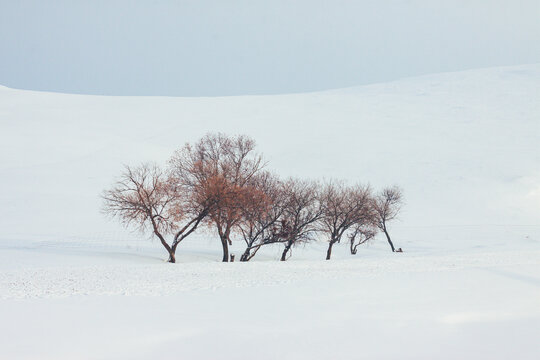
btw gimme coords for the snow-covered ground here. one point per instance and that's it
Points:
(463, 146)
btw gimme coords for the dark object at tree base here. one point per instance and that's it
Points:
(232, 257)
(399, 250)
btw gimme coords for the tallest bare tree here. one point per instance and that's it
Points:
(220, 168)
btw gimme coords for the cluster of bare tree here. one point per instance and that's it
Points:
(220, 182)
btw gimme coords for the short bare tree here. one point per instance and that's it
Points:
(343, 208)
(145, 197)
(387, 205)
(361, 234)
(220, 167)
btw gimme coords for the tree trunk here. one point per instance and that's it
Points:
(172, 257)
(329, 251)
(225, 245)
(245, 255)
(353, 248)
(389, 240)
(285, 251)
(171, 252)
(251, 252)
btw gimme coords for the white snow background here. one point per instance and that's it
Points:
(464, 147)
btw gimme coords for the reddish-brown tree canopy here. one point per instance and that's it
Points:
(219, 170)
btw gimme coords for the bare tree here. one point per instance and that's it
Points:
(361, 234)
(218, 168)
(261, 222)
(387, 205)
(302, 212)
(145, 197)
(343, 208)
(292, 219)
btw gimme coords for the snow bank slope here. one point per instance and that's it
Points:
(464, 146)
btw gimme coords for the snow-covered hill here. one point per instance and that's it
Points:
(463, 146)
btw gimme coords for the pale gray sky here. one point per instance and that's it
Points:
(230, 47)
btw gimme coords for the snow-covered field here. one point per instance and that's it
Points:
(463, 146)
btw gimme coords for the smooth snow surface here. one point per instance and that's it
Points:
(463, 146)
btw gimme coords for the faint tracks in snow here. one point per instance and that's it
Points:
(163, 279)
